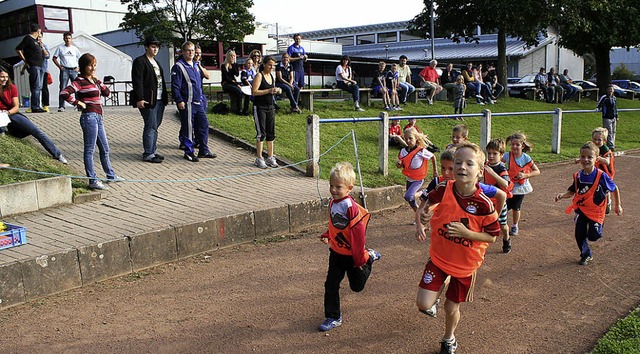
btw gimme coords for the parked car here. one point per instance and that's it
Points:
(628, 84)
(513, 80)
(520, 87)
(617, 90)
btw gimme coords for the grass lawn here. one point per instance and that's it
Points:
(623, 337)
(290, 131)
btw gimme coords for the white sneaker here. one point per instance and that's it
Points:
(97, 185)
(115, 179)
(271, 162)
(260, 163)
(61, 109)
(431, 102)
(62, 159)
(359, 109)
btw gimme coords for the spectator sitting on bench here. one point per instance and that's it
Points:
(542, 84)
(379, 86)
(485, 88)
(554, 86)
(430, 79)
(229, 71)
(491, 78)
(285, 82)
(404, 79)
(345, 81)
(567, 84)
(248, 73)
(448, 79)
(472, 85)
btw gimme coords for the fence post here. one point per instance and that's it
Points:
(313, 145)
(556, 135)
(383, 144)
(485, 128)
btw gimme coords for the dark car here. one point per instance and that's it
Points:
(522, 86)
(628, 85)
(617, 90)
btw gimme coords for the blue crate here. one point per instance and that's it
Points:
(14, 236)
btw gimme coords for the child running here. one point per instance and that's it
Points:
(463, 224)
(413, 160)
(459, 134)
(496, 174)
(606, 160)
(346, 237)
(521, 167)
(589, 202)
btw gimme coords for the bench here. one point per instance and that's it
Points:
(306, 96)
(590, 92)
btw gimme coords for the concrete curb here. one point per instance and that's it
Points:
(72, 268)
(24, 197)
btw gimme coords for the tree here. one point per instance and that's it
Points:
(596, 26)
(176, 21)
(621, 72)
(458, 21)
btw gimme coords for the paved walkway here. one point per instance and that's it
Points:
(130, 208)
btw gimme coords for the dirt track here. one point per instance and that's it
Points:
(268, 297)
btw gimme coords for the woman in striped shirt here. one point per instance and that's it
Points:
(87, 90)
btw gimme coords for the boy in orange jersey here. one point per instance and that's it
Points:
(589, 202)
(346, 238)
(459, 134)
(463, 224)
(496, 174)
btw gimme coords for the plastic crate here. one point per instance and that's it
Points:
(14, 236)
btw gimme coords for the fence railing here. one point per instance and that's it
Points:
(314, 121)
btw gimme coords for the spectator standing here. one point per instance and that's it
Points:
(609, 108)
(459, 101)
(46, 55)
(264, 114)
(230, 85)
(404, 79)
(285, 81)
(149, 96)
(186, 86)
(297, 56)
(566, 83)
(448, 79)
(20, 126)
(430, 79)
(87, 90)
(393, 85)
(31, 51)
(345, 81)
(66, 59)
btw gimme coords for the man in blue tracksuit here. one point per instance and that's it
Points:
(186, 86)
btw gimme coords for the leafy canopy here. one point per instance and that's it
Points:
(176, 21)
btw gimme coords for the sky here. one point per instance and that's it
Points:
(307, 15)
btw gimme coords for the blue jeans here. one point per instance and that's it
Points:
(152, 119)
(21, 127)
(292, 95)
(35, 84)
(407, 89)
(66, 75)
(354, 89)
(93, 134)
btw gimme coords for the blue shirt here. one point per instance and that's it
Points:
(296, 52)
(585, 182)
(180, 84)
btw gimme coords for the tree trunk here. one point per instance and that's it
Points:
(501, 65)
(603, 67)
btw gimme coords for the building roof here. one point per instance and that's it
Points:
(378, 27)
(486, 48)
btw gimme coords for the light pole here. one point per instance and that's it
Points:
(433, 43)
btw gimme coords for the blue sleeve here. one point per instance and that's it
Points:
(176, 84)
(488, 190)
(290, 51)
(432, 185)
(607, 183)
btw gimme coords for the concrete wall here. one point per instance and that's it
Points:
(51, 273)
(30, 196)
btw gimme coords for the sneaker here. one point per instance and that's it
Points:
(585, 260)
(433, 310)
(190, 157)
(481, 103)
(398, 108)
(45, 108)
(490, 101)
(506, 246)
(358, 109)
(207, 155)
(260, 163)
(154, 159)
(182, 147)
(97, 185)
(160, 157)
(448, 347)
(62, 159)
(479, 97)
(330, 323)
(388, 108)
(28, 110)
(271, 162)
(430, 102)
(115, 179)
(61, 109)
(513, 231)
(373, 254)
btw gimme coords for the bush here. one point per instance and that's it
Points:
(621, 73)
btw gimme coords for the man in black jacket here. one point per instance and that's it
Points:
(149, 96)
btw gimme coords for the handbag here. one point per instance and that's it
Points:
(4, 119)
(49, 79)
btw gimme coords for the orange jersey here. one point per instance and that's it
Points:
(459, 256)
(416, 174)
(514, 169)
(341, 240)
(488, 179)
(585, 202)
(611, 169)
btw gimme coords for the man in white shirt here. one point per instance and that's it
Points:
(66, 59)
(404, 79)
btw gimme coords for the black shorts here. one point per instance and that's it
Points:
(515, 202)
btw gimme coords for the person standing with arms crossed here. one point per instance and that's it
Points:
(66, 59)
(297, 56)
(149, 96)
(31, 51)
(186, 85)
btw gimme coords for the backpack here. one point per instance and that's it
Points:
(220, 108)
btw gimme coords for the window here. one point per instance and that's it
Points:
(346, 41)
(56, 19)
(365, 39)
(387, 37)
(325, 40)
(407, 36)
(16, 24)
